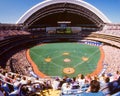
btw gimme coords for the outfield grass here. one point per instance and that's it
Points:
(50, 58)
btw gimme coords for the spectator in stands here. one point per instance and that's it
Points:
(81, 79)
(116, 75)
(88, 78)
(5, 87)
(111, 77)
(24, 80)
(62, 82)
(55, 84)
(75, 84)
(105, 86)
(66, 87)
(114, 86)
(16, 83)
(93, 90)
(1, 90)
(32, 73)
(95, 77)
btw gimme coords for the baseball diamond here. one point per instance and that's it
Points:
(70, 59)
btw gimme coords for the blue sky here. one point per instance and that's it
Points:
(12, 10)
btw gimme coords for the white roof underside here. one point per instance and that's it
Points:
(45, 3)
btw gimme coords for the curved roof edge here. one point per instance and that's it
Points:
(45, 3)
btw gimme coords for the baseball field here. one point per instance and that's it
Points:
(59, 59)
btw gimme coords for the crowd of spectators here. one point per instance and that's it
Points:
(19, 63)
(113, 30)
(12, 84)
(8, 33)
(112, 26)
(27, 83)
(112, 60)
(82, 83)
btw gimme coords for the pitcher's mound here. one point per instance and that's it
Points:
(48, 59)
(85, 58)
(69, 70)
(66, 60)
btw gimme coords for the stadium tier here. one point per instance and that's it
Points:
(60, 48)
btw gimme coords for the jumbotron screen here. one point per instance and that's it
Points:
(64, 30)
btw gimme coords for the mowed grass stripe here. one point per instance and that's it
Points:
(55, 52)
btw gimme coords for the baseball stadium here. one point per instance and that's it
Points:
(54, 42)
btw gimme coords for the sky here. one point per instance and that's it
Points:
(12, 10)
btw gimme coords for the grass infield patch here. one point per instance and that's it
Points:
(53, 58)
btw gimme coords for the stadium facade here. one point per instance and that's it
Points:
(66, 13)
